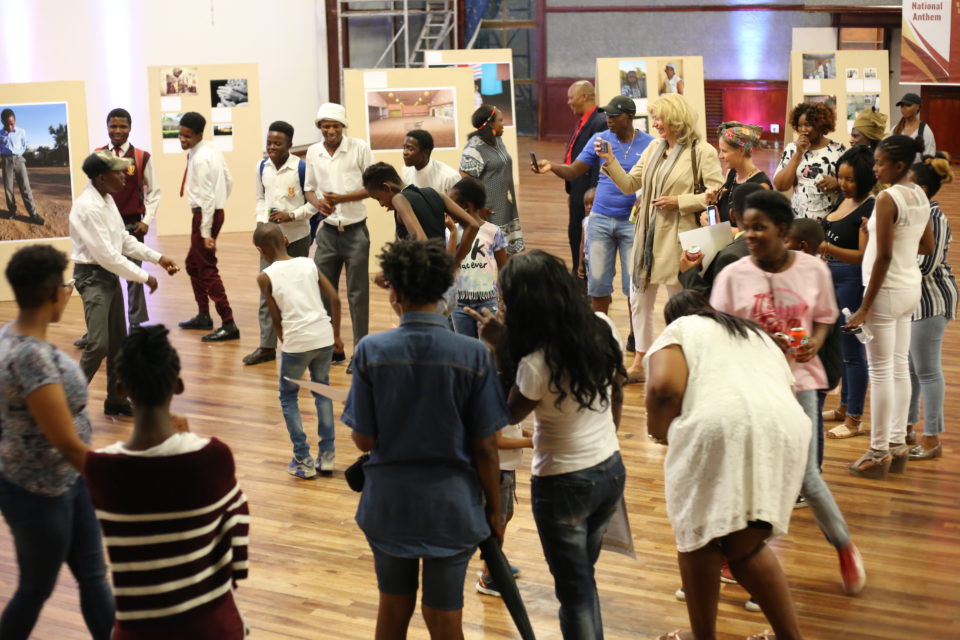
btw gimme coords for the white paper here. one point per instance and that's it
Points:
(170, 103)
(221, 115)
(432, 57)
(224, 143)
(854, 85)
(641, 105)
(811, 85)
(374, 79)
(849, 126)
(872, 84)
(172, 145)
(710, 240)
(618, 536)
(325, 390)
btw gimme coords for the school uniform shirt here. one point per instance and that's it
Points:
(280, 189)
(438, 176)
(208, 183)
(151, 188)
(100, 238)
(340, 173)
(13, 143)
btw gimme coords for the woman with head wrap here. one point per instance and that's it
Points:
(868, 128)
(737, 141)
(486, 158)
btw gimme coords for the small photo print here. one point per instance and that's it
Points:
(633, 78)
(670, 76)
(223, 129)
(853, 74)
(819, 66)
(229, 93)
(870, 73)
(170, 125)
(830, 101)
(391, 113)
(642, 123)
(178, 81)
(857, 102)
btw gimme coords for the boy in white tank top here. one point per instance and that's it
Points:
(292, 288)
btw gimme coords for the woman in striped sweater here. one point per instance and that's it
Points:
(174, 519)
(938, 305)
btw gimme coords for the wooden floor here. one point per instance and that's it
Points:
(311, 572)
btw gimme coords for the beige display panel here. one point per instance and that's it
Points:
(848, 80)
(367, 101)
(613, 74)
(55, 231)
(173, 94)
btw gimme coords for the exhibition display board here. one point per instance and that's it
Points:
(228, 96)
(848, 80)
(50, 121)
(383, 104)
(646, 78)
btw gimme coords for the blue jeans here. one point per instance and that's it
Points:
(848, 281)
(572, 511)
(926, 374)
(814, 490)
(607, 236)
(293, 365)
(48, 531)
(464, 324)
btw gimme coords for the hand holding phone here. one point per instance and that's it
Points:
(534, 163)
(604, 146)
(713, 216)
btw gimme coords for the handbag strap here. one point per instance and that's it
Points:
(698, 186)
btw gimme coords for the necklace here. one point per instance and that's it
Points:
(620, 144)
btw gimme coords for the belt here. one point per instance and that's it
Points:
(199, 210)
(343, 227)
(88, 267)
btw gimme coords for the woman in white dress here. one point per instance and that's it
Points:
(736, 459)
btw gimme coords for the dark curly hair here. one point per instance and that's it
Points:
(149, 366)
(932, 172)
(34, 273)
(819, 116)
(545, 310)
(860, 159)
(421, 271)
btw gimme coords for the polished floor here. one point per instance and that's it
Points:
(311, 572)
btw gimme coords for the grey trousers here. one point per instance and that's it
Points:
(103, 311)
(15, 171)
(350, 248)
(268, 337)
(136, 299)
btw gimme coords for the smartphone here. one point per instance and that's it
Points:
(533, 161)
(604, 146)
(713, 216)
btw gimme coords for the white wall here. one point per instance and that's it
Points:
(110, 43)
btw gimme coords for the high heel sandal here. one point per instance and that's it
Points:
(900, 454)
(877, 471)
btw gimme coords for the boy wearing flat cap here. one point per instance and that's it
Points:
(101, 246)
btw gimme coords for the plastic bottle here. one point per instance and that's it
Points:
(863, 334)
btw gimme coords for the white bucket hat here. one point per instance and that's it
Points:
(331, 111)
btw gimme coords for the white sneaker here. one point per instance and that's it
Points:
(325, 465)
(301, 468)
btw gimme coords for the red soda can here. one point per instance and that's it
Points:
(797, 336)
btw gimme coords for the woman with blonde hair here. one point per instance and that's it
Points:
(737, 141)
(674, 174)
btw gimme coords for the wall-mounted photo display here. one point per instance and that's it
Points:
(391, 113)
(492, 84)
(857, 102)
(670, 74)
(633, 79)
(819, 66)
(229, 93)
(830, 101)
(176, 81)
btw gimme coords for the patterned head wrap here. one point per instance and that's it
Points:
(871, 124)
(737, 134)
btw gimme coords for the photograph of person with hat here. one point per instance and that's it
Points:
(609, 230)
(911, 125)
(334, 185)
(101, 248)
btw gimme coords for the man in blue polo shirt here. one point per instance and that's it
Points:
(609, 229)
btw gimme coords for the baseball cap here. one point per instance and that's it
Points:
(618, 106)
(99, 162)
(909, 98)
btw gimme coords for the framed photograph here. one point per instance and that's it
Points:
(853, 74)
(633, 78)
(176, 81)
(391, 113)
(870, 73)
(223, 129)
(493, 85)
(229, 93)
(37, 169)
(642, 123)
(830, 101)
(857, 102)
(670, 74)
(819, 66)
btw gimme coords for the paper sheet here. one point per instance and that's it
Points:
(432, 57)
(221, 115)
(871, 84)
(172, 145)
(854, 85)
(374, 79)
(334, 393)
(710, 240)
(618, 537)
(811, 85)
(171, 103)
(224, 143)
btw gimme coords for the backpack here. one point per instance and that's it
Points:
(302, 173)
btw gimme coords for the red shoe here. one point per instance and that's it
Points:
(851, 569)
(726, 575)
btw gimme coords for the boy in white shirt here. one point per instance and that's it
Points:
(291, 287)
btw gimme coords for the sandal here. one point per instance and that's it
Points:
(850, 428)
(673, 635)
(835, 415)
(877, 470)
(766, 635)
(900, 453)
(635, 376)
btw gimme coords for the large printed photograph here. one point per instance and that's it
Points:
(392, 113)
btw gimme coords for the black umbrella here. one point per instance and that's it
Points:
(507, 585)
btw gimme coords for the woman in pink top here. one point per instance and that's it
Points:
(782, 290)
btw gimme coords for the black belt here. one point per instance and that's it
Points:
(342, 228)
(196, 210)
(91, 268)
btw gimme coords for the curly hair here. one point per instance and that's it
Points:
(933, 172)
(545, 310)
(149, 366)
(421, 271)
(34, 273)
(677, 114)
(819, 116)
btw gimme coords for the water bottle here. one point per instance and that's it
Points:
(862, 333)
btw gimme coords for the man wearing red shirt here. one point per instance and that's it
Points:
(582, 100)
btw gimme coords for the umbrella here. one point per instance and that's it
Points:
(503, 577)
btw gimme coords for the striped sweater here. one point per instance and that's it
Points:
(175, 525)
(939, 289)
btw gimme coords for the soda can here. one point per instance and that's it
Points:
(797, 337)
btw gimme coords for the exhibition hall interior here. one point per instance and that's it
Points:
(615, 319)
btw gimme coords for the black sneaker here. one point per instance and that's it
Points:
(800, 503)
(82, 342)
(201, 321)
(338, 357)
(121, 408)
(631, 343)
(487, 587)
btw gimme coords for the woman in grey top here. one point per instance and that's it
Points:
(486, 158)
(43, 443)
